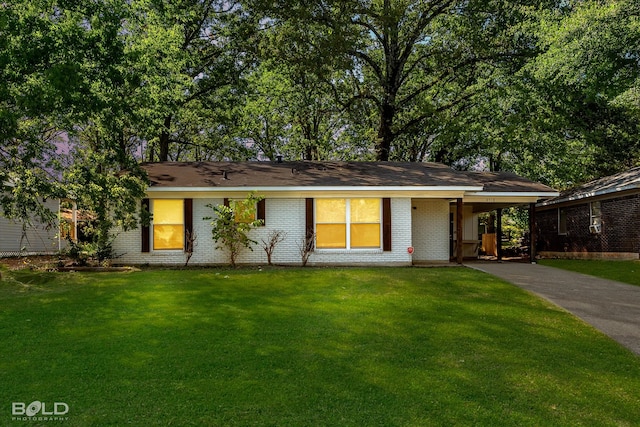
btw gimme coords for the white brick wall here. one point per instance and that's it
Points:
(289, 215)
(430, 229)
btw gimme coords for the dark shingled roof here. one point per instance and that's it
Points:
(330, 174)
(623, 181)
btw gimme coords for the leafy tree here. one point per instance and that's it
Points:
(410, 61)
(40, 47)
(192, 58)
(231, 225)
(589, 66)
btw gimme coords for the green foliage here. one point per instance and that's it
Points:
(588, 72)
(231, 225)
(100, 186)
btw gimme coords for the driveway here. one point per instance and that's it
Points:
(612, 307)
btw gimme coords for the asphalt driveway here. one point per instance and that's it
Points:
(612, 307)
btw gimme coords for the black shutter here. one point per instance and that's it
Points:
(188, 223)
(261, 211)
(386, 224)
(146, 231)
(309, 220)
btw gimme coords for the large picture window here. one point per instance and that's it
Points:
(348, 223)
(168, 224)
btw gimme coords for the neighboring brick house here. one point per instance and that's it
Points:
(381, 213)
(600, 219)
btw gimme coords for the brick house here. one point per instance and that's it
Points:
(379, 213)
(600, 219)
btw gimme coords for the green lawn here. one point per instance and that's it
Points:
(622, 271)
(305, 347)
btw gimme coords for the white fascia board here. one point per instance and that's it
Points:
(309, 189)
(302, 192)
(513, 194)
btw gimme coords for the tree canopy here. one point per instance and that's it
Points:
(91, 88)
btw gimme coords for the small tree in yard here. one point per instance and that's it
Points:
(231, 225)
(305, 247)
(269, 245)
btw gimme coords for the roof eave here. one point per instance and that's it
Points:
(581, 196)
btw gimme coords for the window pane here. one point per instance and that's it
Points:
(596, 213)
(331, 236)
(331, 211)
(562, 221)
(168, 236)
(365, 235)
(168, 211)
(365, 210)
(241, 214)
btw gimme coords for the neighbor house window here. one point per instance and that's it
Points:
(595, 223)
(562, 221)
(168, 224)
(348, 223)
(596, 213)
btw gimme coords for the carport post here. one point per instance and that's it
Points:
(459, 206)
(499, 234)
(533, 237)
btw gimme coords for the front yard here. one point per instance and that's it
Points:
(347, 347)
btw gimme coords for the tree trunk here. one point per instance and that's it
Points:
(164, 140)
(385, 132)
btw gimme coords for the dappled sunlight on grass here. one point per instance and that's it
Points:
(309, 347)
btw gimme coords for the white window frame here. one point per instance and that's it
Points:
(348, 225)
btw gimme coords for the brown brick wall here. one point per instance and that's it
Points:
(620, 228)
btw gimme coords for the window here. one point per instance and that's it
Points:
(595, 221)
(168, 224)
(562, 221)
(331, 223)
(596, 213)
(365, 223)
(241, 214)
(348, 223)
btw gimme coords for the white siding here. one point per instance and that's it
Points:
(39, 238)
(430, 229)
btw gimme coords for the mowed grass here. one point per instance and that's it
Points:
(305, 347)
(621, 271)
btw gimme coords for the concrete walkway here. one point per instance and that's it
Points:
(612, 307)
